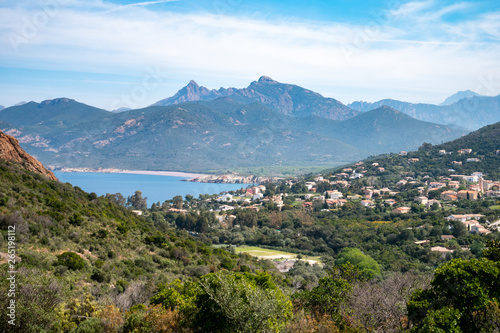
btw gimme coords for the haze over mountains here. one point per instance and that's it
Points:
(266, 124)
(458, 96)
(470, 112)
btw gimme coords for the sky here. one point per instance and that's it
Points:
(123, 53)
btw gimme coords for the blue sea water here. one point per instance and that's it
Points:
(155, 188)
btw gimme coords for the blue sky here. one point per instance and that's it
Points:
(132, 53)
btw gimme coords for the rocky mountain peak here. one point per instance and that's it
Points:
(266, 79)
(10, 150)
(55, 101)
(193, 83)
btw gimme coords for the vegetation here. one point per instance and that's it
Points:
(88, 263)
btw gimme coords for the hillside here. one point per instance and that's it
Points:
(287, 99)
(387, 130)
(428, 161)
(73, 249)
(472, 113)
(220, 134)
(11, 151)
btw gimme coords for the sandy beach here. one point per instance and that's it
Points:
(186, 175)
(163, 173)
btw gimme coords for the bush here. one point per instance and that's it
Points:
(71, 260)
(91, 325)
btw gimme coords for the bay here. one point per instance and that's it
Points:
(154, 187)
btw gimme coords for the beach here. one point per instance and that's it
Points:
(187, 175)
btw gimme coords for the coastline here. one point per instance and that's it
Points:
(187, 175)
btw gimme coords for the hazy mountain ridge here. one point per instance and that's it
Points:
(472, 113)
(459, 96)
(285, 98)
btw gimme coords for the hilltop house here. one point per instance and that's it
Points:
(464, 217)
(333, 194)
(467, 195)
(449, 196)
(390, 202)
(366, 203)
(421, 200)
(401, 210)
(431, 202)
(225, 198)
(465, 151)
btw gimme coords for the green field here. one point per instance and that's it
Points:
(496, 207)
(273, 254)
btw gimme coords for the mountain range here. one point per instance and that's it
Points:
(219, 134)
(465, 109)
(285, 98)
(472, 112)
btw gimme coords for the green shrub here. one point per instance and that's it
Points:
(71, 260)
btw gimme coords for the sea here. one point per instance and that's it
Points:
(156, 188)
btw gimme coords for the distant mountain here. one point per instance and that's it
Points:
(11, 151)
(62, 112)
(458, 96)
(386, 129)
(288, 99)
(471, 113)
(122, 109)
(2, 107)
(20, 103)
(223, 133)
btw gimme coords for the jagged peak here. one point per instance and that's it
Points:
(193, 83)
(266, 79)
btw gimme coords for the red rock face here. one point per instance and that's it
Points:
(10, 150)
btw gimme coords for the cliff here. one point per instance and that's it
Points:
(10, 150)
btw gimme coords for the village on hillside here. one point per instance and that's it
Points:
(365, 185)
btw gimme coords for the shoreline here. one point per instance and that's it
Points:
(187, 175)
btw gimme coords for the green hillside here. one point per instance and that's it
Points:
(69, 243)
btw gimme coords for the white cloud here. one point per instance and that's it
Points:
(385, 60)
(410, 9)
(142, 4)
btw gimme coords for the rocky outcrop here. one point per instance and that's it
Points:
(10, 150)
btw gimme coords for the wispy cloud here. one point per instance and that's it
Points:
(408, 58)
(141, 4)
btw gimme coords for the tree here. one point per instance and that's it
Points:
(470, 287)
(116, 198)
(331, 293)
(366, 264)
(492, 250)
(136, 201)
(234, 302)
(177, 202)
(458, 229)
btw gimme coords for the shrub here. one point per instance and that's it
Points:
(71, 260)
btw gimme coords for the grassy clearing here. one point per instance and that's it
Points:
(262, 253)
(496, 207)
